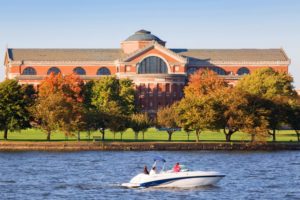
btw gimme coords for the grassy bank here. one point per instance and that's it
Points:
(151, 135)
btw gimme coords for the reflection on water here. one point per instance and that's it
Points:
(98, 175)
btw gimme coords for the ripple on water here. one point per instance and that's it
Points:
(98, 175)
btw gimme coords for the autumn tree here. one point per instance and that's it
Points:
(199, 109)
(15, 101)
(275, 89)
(48, 112)
(231, 111)
(66, 93)
(139, 122)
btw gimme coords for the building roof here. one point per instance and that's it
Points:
(194, 55)
(236, 55)
(143, 35)
(65, 54)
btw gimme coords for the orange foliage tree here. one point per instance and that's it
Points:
(199, 110)
(69, 98)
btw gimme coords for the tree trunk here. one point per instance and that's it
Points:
(252, 137)
(188, 134)
(78, 135)
(136, 135)
(274, 135)
(114, 135)
(5, 133)
(229, 134)
(228, 137)
(103, 134)
(48, 135)
(298, 135)
(170, 135)
(89, 134)
(197, 135)
(143, 135)
(121, 136)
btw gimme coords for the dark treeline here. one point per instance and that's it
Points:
(259, 105)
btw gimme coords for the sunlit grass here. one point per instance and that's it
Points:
(151, 135)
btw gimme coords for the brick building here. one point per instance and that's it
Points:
(158, 72)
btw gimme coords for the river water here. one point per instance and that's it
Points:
(98, 175)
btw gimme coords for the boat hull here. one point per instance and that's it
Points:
(179, 180)
(191, 182)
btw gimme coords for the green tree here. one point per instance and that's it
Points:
(197, 114)
(119, 125)
(112, 98)
(14, 105)
(139, 122)
(293, 118)
(275, 88)
(166, 119)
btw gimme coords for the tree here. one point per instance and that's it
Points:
(294, 118)
(203, 82)
(166, 119)
(119, 124)
(199, 109)
(256, 118)
(48, 112)
(14, 105)
(275, 88)
(66, 93)
(230, 111)
(112, 98)
(139, 122)
(197, 114)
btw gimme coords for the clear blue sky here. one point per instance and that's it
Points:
(182, 23)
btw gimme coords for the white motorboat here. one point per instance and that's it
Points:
(182, 179)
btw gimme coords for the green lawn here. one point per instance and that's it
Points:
(151, 135)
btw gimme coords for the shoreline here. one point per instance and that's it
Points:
(143, 146)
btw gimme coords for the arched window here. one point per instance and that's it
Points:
(29, 71)
(79, 71)
(243, 71)
(153, 65)
(103, 71)
(54, 70)
(219, 70)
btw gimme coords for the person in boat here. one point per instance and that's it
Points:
(176, 168)
(146, 170)
(153, 171)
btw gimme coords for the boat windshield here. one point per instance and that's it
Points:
(159, 159)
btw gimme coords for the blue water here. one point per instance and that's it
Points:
(98, 175)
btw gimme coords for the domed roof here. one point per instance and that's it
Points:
(143, 35)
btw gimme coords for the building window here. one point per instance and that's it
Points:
(79, 71)
(153, 65)
(167, 87)
(127, 68)
(243, 71)
(219, 70)
(53, 70)
(103, 71)
(29, 71)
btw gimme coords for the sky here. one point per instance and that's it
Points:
(202, 24)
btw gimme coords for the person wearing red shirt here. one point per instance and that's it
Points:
(176, 168)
